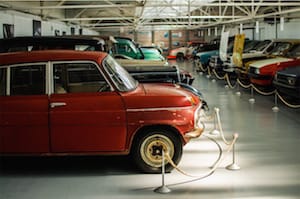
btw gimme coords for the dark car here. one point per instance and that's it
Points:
(85, 43)
(287, 81)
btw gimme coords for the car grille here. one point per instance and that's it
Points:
(284, 79)
(252, 70)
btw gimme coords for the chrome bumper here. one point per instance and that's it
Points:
(194, 134)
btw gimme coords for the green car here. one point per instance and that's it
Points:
(152, 53)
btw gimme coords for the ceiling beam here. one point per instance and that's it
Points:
(102, 6)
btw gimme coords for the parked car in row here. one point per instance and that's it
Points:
(278, 47)
(66, 102)
(184, 52)
(94, 43)
(152, 53)
(203, 58)
(262, 72)
(252, 49)
(287, 82)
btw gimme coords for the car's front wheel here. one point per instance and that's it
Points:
(180, 57)
(148, 147)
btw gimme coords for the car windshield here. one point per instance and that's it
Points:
(121, 78)
(262, 45)
(295, 51)
(278, 48)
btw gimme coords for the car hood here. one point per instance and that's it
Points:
(207, 53)
(253, 55)
(141, 62)
(290, 71)
(265, 62)
(159, 96)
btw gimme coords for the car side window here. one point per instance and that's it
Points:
(28, 80)
(78, 78)
(2, 81)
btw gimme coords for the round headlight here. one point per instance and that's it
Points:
(291, 81)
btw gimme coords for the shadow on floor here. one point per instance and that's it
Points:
(90, 165)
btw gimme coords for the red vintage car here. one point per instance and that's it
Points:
(63, 102)
(262, 72)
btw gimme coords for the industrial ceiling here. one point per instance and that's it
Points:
(110, 15)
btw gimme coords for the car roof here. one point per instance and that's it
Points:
(50, 55)
(53, 42)
(287, 40)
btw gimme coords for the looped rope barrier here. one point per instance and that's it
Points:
(228, 81)
(285, 102)
(198, 63)
(218, 77)
(209, 117)
(230, 144)
(263, 93)
(208, 71)
(243, 85)
(166, 156)
(210, 172)
(220, 127)
(226, 77)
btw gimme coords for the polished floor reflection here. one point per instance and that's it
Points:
(267, 151)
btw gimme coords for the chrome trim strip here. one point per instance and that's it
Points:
(159, 109)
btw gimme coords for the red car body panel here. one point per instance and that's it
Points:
(24, 129)
(268, 72)
(92, 122)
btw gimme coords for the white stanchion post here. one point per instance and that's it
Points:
(163, 188)
(252, 100)
(275, 108)
(233, 166)
(215, 130)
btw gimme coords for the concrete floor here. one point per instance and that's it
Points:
(267, 152)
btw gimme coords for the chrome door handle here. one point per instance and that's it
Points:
(56, 104)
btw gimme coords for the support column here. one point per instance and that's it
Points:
(187, 36)
(170, 40)
(152, 37)
(135, 35)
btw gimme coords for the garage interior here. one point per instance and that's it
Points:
(268, 143)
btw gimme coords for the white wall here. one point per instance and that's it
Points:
(23, 25)
(271, 31)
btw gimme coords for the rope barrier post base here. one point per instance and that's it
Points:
(214, 132)
(213, 80)
(226, 86)
(201, 73)
(238, 93)
(207, 76)
(163, 188)
(252, 100)
(275, 109)
(233, 166)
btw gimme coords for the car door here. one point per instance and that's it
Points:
(86, 114)
(24, 109)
